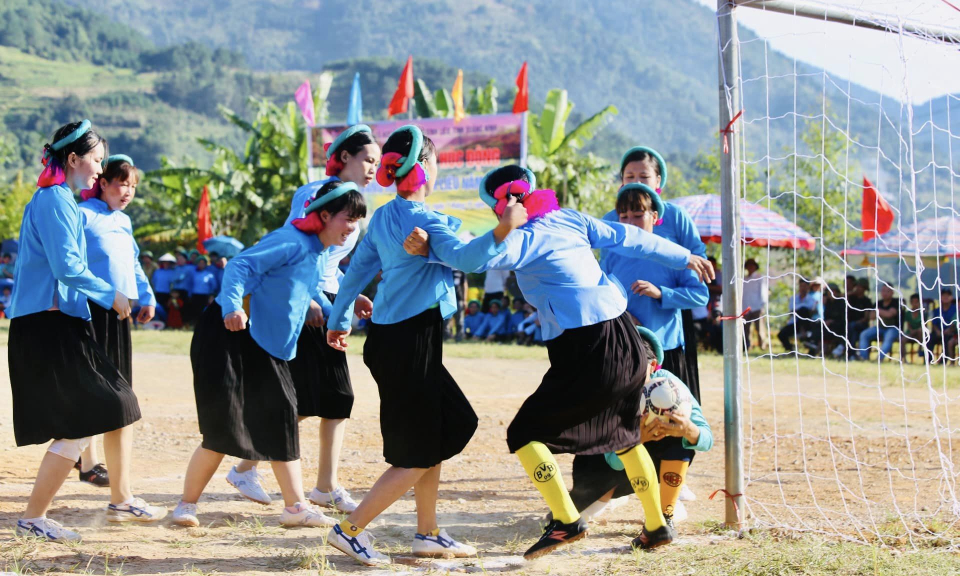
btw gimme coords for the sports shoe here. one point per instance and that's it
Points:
(441, 546)
(686, 494)
(556, 534)
(359, 547)
(306, 515)
(669, 520)
(248, 484)
(185, 514)
(47, 529)
(680, 512)
(659, 537)
(136, 511)
(339, 499)
(97, 476)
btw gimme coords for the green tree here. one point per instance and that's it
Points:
(582, 181)
(13, 199)
(250, 189)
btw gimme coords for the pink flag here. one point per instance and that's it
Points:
(304, 98)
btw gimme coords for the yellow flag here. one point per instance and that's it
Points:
(457, 94)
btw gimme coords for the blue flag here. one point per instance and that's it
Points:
(355, 111)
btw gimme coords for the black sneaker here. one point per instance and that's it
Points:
(659, 537)
(556, 534)
(97, 476)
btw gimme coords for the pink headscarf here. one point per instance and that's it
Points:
(387, 174)
(538, 203)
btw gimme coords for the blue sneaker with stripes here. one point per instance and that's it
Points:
(47, 529)
(136, 511)
(441, 546)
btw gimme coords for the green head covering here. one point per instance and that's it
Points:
(146, 254)
(656, 156)
(477, 302)
(650, 337)
(655, 200)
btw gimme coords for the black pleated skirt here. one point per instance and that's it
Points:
(321, 375)
(113, 335)
(692, 379)
(675, 360)
(246, 399)
(589, 400)
(424, 417)
(63, 383)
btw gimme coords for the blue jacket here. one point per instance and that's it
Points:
(558, 273)
(51, 268)
(331, 271)
(280, 274)
(204, 281)
(183, 278)
(515, 319)
(473, 322)
(112, 252)
(162, 280)
(677, 227)
(410, 284)
(681, 289)
(494, 325)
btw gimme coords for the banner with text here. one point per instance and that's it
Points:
(465, 152)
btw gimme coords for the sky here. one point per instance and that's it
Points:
(918, 71)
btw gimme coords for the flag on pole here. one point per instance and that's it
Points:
(355, 111)
(457, 96)
(398, 105)
(520, 103)
(876, 216)
(304, 98)
(204, 226)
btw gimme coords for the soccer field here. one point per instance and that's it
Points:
(485, 497)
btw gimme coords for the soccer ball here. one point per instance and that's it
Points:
(663, 396)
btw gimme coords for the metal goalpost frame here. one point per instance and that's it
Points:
(729, 98)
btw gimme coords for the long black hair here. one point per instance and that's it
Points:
(352, 202)
(81, 146)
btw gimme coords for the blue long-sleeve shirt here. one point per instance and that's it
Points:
(204, 282)
(112, 253)
(51, 269)
(473, 322)
(410, 284)
(515, 319)
(558, 274)
(162, 280)
(677, 227)
(281, 275)
(494, 325)
(182, 278)
(680, 289)
(331, 272)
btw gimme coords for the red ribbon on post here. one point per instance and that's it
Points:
(739, 316)
(733, 498)
(729, 130)
(951, 5)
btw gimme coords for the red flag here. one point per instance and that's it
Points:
(398, 105)
(876, 215)
(204, 227)
(520, 103)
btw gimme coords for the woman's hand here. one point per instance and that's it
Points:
(702, 267)
(363, 307)
(235, 321)
(122, 305)
(644, 288)
(314, 315)
(146, 314)
(417, 243)
(337, 339)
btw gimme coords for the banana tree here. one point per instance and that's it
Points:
(554, 153)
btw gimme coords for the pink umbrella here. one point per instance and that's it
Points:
(758, 225)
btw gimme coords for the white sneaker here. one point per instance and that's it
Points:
(136, 511)
(441, 546)
(339, 499)
(306, 515)
(248, 484)
(47, 529)
(185, 514)
(359, 547)
(680, 512)
(686, 494)
(593, 511)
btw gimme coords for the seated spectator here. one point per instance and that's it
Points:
(913, 323)
(496, 324)
(5, 300)
(175, 310)
(517, 316)
(943, 328)
(6, 270)
(473, 320)
(529, 331)
(807, 309)
(887, 328)
(858, 304)
(834, 320)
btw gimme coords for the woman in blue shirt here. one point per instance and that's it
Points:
(473, 319)
(424, 417)
(319, 372)
(113, 256)
(644, 165)
(59, 374)
(589, 400)
(203, 285)
(246, 397)
(162, 279)
(655, 294)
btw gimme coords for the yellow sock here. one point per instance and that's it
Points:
(643, 477)
(672, 475)
(542, 468)
(351, 530)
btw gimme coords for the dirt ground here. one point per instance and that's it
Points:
(827, 472)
